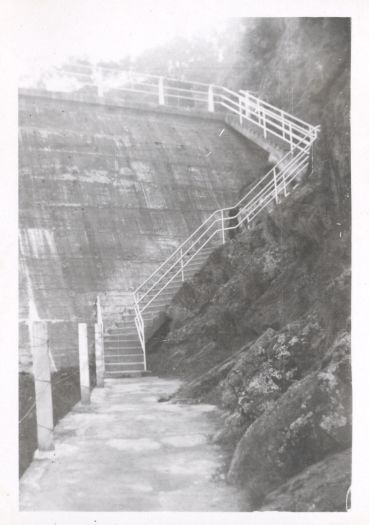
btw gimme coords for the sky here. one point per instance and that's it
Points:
(52, 30)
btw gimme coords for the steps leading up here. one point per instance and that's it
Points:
(122, 349)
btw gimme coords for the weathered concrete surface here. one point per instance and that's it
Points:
(106, 194)
(128, 452)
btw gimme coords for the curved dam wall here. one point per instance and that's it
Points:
(106, 193)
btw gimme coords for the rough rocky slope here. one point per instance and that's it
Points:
(264, 329)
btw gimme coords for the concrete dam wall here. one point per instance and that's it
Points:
(106, 193)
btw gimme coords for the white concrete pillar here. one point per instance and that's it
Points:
(99, 355)
(84, 372)
(43, 391)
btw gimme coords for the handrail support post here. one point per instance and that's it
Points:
(161, 91)
(211, 99)
(223, 235)
(291, 138)
(275, 185)
(182, 272)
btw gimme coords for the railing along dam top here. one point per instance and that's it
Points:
(249, 110)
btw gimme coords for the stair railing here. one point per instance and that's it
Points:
(244, 106)
(268, 189)
(115, 84)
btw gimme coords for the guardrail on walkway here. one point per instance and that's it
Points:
(114, 83)
(249, 110)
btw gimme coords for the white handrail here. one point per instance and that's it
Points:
(124, 81)
(255, 204)
(294, 132)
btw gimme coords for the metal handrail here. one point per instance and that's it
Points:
(271, 188)
(299, 136)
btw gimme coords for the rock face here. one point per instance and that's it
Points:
(322, 487)
(311, 419)
(263, 329)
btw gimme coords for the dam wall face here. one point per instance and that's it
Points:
(106, 193)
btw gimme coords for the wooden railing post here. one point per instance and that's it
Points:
(211, 99)
(43, 390)
(99, 355)
(84, 371)
(161, 91)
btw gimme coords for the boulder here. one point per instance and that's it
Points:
(310, 420)
(322, 487)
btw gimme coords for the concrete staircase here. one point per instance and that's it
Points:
(122, 349)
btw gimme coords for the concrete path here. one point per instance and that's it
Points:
(128, 452)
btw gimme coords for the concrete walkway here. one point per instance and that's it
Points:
(128, 452)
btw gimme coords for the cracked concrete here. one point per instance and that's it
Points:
(129, 452)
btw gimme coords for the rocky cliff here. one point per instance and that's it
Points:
(264, 328)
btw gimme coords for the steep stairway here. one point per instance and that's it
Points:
(122, 349)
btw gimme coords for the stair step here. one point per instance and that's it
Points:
(129, 332)
(121, 374)
(137, 360)
(120, 337)
(125, 356)
(125, 367)
(121, 350)
(121, 343)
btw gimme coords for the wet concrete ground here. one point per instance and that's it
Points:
(129, 452)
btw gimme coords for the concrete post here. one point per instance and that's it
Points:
(43, 391)
(84, 372)
(99, 355)
(211, 99)
(99, 319)
(161, 91)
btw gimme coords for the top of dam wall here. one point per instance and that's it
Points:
(107, 192)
